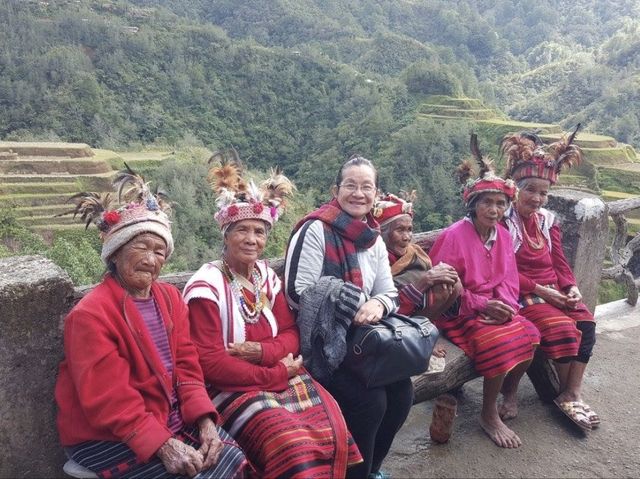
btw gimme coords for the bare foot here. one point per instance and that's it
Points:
(500, 433)
(509, 407)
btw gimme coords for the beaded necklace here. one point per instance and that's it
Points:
(250, 312)
(539, 243)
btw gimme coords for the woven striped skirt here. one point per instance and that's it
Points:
(297, 433)
(494, 349)
(115, 460)
(560, 337)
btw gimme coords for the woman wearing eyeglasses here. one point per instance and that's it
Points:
(337, 273)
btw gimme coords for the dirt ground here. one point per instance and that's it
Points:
(552, 445)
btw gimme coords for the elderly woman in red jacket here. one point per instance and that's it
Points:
(248, 342)
(130, 391)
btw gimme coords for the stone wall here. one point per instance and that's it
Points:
(35, 295)
(585, 230)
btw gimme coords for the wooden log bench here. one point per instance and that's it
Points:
(458, 367)
(35, 295)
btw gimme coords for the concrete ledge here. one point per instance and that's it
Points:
(616, 316)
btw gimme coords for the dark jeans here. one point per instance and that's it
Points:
(373, 416)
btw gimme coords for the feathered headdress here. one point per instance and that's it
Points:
(486, 181)
(140, 211)
(240, 200)
(528, 157)
(388, 206)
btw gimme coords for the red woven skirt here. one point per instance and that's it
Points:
(559, 336)
(297, 433)
(494, 349)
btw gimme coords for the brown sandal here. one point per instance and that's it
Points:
(594, 419)
(574, 410)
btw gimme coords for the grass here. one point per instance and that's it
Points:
(610, 291)
(29, 188)
(468, 113)
(32, 199)
(612, 179)
(43, 210)
(452, 101)
(585, 140)
(609, 156)
(48, 220)
(495, 129)
(108, 156)
(37, 148)
(54, 166)
(55, 228)
(139, 160)
(617, 195)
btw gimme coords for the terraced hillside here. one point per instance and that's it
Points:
(36, 179)
(609, 164)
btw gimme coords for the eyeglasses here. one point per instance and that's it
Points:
(352, 188)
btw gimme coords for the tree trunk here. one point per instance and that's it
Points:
(458, 370)
(543, 376)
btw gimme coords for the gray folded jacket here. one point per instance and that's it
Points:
(324, 316)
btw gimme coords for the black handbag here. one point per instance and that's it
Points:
(396, 348)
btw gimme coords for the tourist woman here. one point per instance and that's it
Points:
(337, 274)
(423, 289)
(130, 392)
(549, 295)
(287, 424)
(486, 325)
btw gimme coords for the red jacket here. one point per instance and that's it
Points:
(112, 385)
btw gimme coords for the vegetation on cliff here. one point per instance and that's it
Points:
(306, 83)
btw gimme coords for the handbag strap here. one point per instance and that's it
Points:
(420, 327)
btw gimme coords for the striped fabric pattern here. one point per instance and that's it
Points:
(153, 321)
(494, 349)
(344, 235)
(292, 434)
(115, 460)
(560, 336)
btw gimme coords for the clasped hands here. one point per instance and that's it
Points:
(180, 458)
(568, 300)
(442, 275)
(251, 351)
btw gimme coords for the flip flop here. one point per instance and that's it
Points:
(574, 410)
(594, 419)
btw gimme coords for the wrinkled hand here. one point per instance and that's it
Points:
(250, 351)
(369, 313)
(293, 365)
(211, 445)
(180, 458)
(441, 273)
(552, 296)
(439, 350)
(574, 297)
(497, 312)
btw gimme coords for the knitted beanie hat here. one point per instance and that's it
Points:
(528, 156)
(138, 211)
(134, 220)
(486, 181)
(241, 200)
